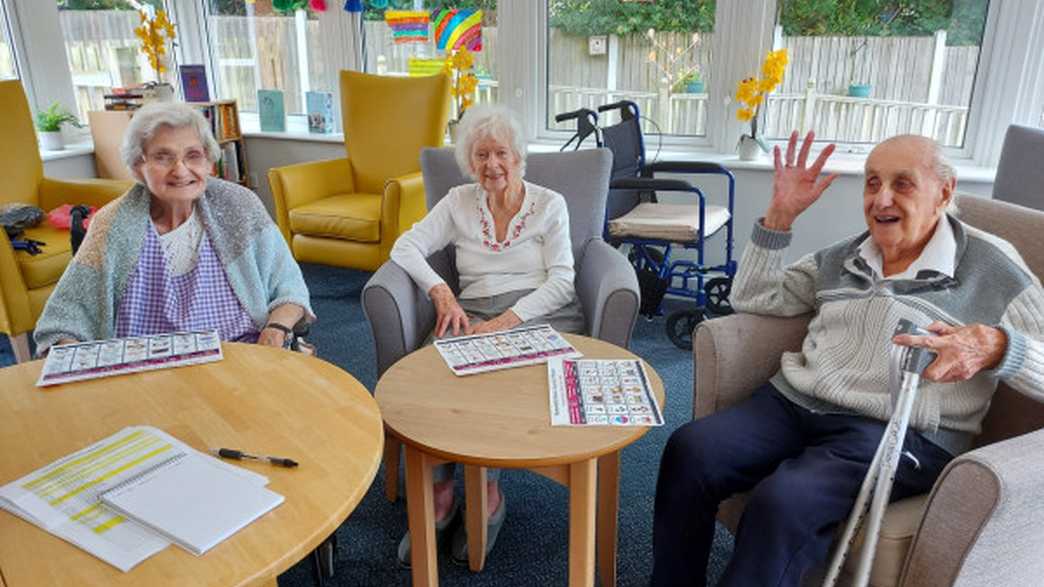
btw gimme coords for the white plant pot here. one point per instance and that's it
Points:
(51, 141)
(749, 149)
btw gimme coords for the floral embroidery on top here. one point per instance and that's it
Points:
(489, 239)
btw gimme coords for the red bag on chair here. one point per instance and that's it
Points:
(61, 217)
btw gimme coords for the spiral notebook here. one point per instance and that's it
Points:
(192, 501)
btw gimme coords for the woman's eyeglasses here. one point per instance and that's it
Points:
(166, 160)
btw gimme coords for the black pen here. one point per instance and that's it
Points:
(231, 453)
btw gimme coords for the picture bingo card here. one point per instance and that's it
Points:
(102, 358)
(601, 393)
(467, 355)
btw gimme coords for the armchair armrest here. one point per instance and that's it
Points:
(92, 192)
(608, 292)
(399, 313)
(303, 183)
(15, 313)
(402, 205)
(733, 355)
(983, 524)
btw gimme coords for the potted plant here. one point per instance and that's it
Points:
(154, 32)
(856, 89)
(49, 122)
(689, 83)
(751, 93)
(460, 67)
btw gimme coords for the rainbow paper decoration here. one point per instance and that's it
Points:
(408, 26)
(458, 27)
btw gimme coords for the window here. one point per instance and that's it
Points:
(253, 46)
(861, 72)
(657, 55)
(398, 42)
(103, 50)
(8, 67)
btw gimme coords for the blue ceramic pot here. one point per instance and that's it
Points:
(859, 90)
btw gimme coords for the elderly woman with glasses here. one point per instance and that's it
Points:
(515, 264)
(179, 251)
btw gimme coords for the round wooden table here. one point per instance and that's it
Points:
(501, 419)
(259, 399)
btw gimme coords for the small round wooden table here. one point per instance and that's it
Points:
(259, 399)
(502, 419)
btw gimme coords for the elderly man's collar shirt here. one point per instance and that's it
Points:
(939, 254)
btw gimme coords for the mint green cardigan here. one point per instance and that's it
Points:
(262, 272)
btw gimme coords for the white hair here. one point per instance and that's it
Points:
(945, 171)
(152, 117)
(489, 121)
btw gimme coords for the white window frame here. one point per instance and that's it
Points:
(1009, 86)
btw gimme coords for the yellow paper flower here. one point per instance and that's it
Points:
(459, 67)
(154, 35)
(751, 92)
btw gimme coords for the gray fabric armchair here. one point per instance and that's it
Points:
(982, 523)
(401, 315)
(1020, 176)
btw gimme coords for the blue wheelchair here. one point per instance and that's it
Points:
(656, 232)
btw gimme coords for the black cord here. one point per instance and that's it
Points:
(659, 135)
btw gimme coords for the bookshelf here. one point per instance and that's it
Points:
(109, 126)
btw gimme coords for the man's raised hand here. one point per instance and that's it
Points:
(795, 187)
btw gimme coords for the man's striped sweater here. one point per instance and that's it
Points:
(843, 363)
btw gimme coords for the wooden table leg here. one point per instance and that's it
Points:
(420, 510)
(582, 523)
(608, 506)
(392, 448)
(475, 500)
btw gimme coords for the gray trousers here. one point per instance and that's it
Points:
(568, 318)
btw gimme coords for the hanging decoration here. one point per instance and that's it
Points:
(378, 4)
(458, 27)
(408, 26)
(289, 6)
(353, 6)
(154, 33)
(317, 5)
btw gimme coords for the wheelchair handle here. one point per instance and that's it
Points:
(573, 115)
(614, 106)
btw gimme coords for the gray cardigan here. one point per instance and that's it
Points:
(262, 272)
(843, 364)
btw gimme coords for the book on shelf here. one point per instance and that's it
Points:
(271, 110)
(229, 121)
(231, 170)
(320, 112)
(194, 83)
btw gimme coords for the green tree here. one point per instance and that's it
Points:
(964, 20)
(103, 4)
(603, 17)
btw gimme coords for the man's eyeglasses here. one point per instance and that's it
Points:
(166, 160)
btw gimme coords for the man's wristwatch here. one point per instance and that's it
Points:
(286, 330)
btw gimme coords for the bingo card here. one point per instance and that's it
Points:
(466, 355)
(102, 358)
(601, 393)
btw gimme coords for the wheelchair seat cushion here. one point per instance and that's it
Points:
(672, 222)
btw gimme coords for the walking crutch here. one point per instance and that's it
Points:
(879, 478)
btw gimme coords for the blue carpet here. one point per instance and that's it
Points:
(532, 547)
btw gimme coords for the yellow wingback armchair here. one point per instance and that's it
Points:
(348, 212)
(26, 280)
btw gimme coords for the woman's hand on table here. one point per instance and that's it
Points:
(449, 316)
(504, 321)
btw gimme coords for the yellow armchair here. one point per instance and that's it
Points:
(26, 281)
(348, 212)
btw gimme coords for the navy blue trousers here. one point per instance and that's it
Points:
(803, 470)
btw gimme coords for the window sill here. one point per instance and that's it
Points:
(840, 163)
(73, 150)
(296, 130)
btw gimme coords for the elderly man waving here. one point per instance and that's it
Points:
(804, 441)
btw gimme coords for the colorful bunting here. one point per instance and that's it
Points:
(408, 26)
(458, 27)
(353, 6)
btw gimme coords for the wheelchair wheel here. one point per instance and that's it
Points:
(680, 325)
(656, 255)
(717, 291)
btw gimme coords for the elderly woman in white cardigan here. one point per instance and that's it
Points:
(513, 257)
